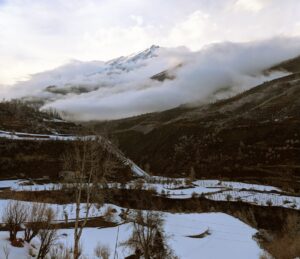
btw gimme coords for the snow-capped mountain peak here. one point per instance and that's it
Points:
(77, 77)
(135, 60)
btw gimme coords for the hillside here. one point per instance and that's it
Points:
(18, 116)
(33, 143)
(292, 65)
(253, 136)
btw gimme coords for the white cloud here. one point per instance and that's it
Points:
(126, 89)
(137, 19)
(39, 35)
(252, 5)
(197, 30)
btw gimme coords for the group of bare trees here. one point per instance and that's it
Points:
(36, 220)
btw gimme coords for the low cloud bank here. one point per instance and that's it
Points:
(123, 88)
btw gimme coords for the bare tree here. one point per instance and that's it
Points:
(148, 237)
(47, 234)
(15, 215)
(37, 215)
(90, 163)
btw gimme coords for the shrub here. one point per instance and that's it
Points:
(102, 251)
(269, 202)
(195, 195)
(17, 242)
(228, 197)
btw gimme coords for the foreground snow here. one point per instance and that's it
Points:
(229, 238)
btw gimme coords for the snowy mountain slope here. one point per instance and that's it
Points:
(79, 77)
(133, 61)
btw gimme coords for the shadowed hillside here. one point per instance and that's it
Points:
(18, 116)
(252, 136)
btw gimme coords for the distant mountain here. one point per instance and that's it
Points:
(130, 62)
(83, 77)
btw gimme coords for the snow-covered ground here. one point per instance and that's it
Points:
(263, 199)
(263, 195)
(235, 185)
(10, 183)
(69, 210)
(14, 252)
(30, 136)
(229, 238)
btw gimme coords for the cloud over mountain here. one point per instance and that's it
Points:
(123, 87)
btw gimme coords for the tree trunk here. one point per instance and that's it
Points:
(11, 235)
(76, 228)
(14, 233)
(76, 247)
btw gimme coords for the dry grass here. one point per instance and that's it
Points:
(286, 245)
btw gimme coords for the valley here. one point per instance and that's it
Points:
(216, 179)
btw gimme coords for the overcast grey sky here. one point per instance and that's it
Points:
(37, 35)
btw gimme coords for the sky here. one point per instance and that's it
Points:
(39, 35)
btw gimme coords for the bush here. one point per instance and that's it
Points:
(269, 202)
(195, 195)
(109, 213)
(102, 251)
(228, 197)
(14, 216)
(17, 242)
